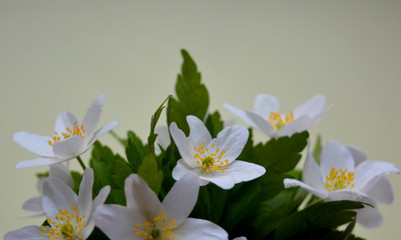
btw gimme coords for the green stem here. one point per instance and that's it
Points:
(81, 163)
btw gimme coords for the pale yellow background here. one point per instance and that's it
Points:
(60, 55)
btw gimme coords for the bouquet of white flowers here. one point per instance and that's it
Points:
(200, 177)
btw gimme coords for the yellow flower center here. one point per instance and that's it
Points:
(276, 119)
(336, 181)
(157, 229)
(67, 225)
(208, 161)
(75, 131)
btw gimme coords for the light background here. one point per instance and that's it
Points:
(58, 56)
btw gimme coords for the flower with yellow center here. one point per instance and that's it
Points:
(69, 216)
(339, 178)
(268, 117)
(146, 218)
(213, 160)
(70, 139)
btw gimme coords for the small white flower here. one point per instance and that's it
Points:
(272, 121)
(213, 160)
(163, 138)
(59, 171)
(69, 215)
(145, 217)
(337, 178)
(71, 137)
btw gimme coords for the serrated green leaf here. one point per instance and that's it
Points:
(134, 151)
(153, 122)
(214, 124)
(150, 172)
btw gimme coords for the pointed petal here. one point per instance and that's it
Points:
(369, 217)
(192, 228)
(34, 143)
(198, 132)
(335, 155)
(92, 116)
(243, 171)
(182, 168)
(141, 197)
(117, 222)
(357, 154)
(61, 172)
(311, 173)
(265, 104)
(64, 120)
(33, 204)
(85, 193)
(101, 131)
(300, 124)
(181, 199)
(368, 173)
(382, 192)
(232, 140)
(25, 233)
(288, 183)
(240, 113)
(163, 136)
(313, 107)
(69, 148)
(39, 162)
(57, 196)
(183, 145)
(260, 123)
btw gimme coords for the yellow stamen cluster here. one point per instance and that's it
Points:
(336, 181)
(210, 161)
(277, 121)
(158, 229)
(76, 131)
(67, 225)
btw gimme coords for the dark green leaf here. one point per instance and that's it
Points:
(135, 151)
(76, 178)
(214, 124)
(153, 122)
(150, 172)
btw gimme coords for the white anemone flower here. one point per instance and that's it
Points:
(59, 171)
(69, 216)
(71, 137)
(213, 160)
(163, 138)
(145, 217)
(268, 117)
(338, 178)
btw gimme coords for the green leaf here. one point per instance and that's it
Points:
(192, 95)
(150, 172)
(43, 174)
(317, 149)
(76, 178)
(153, 122)
(135, 151)
(214, 124)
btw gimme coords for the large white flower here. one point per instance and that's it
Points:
(69, 215)
(145, 217)
(213, 160)
(71, 137)
(268, 117)
(337, 178)
(59, 171)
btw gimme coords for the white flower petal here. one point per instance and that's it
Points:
(288, 183)
(69, 148)
(312, 108)
(311, 173)
(57, 196)
(141, 197)
(240, 113)
(101, 131)
(260, 123)
(368, 173)
(345, 194)
(243, 171)
(357, 154)
(163, 136)
(64, 120)
(300, 124)
(382, 192)
(92, 116)
(369, 217)
(192, 228)
(181, 198)
(265, 104)
(61, 172)
(85, 193)
(34, 143)
(183, 145)
(223, 181)
(240, 238)
(39, 162)
(182, 168)
(118, 222)
(335, 155)
(232, 140)
(198, 133)
(25, 233)
(33, 204)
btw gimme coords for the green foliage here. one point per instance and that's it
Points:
(150, 172)
(76, 178)
(317, 149)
